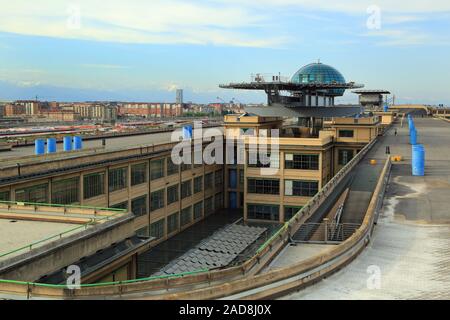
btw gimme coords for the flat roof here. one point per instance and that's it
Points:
(21, 233)
(111, 143)
(363, 91)
(37, 225)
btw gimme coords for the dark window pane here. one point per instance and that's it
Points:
(263, 212)
(117, 179)
(172, 222)
(138, 174)
(66, 191)
(186, 189)
(139, 206)
(172, 194)
(157, 169)
(93, 185)
(157, 200)
(157, 229)
(186, 216)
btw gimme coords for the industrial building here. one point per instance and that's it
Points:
(315, 140)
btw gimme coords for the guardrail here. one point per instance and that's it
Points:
(263, 255)
(93, 221)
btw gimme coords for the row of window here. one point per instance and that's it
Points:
(139, 205)
(67, 191)
(292, 187)
(177, 220)
(291, 161)
(270, 212)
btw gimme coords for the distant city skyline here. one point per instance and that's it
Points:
(145, 50)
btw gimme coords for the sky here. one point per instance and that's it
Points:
(140, 50)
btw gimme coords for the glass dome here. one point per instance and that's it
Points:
(319, 73)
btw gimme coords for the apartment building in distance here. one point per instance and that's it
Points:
(151, 110)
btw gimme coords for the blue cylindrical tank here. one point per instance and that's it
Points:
(413, 137)
(418, 160)
(67, 143)
(51, 145)
(77, 143)
(39, 146)
(385, 108)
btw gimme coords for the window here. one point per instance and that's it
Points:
(139, 206)
(301, 188)
(4, 196)
(302, 161)
(208, 180)
(289, 212)
(218, 178)
(346, 133)
(156, 169)
(157, 200)
(263, 212)
(256, 160)
(186, 189)
(263, 186)
(172, 168)
(93, 185)
(209, 206)
(138, 174)
(172, 194)
(186, 216)
(172, 222)
(122, 205)
(117, 179)
(218, 201)
(344, 156)
(36, 194)
(66, 191)
(241, 177)
(157, 229)
(198, 210)
(198, 184)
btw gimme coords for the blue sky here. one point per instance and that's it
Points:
(143, 50)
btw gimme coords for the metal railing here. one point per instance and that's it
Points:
(324, 232)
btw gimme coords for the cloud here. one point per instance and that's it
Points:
(137, 21)
(357, 6)
(399, 37)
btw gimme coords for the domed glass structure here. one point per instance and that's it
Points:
(319, 73)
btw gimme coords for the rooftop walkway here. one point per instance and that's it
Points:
(410, 250)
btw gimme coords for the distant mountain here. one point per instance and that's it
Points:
(11, 91)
